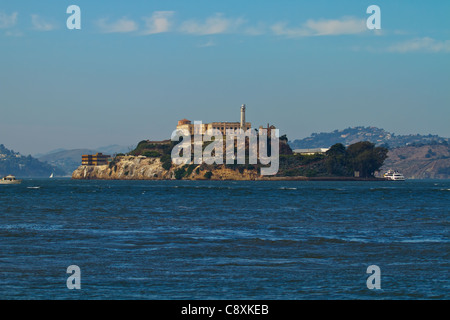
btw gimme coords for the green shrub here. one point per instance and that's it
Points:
(166, 158)
(167, 164)
(250, 167)
(180, 173)
(151, 154)
(311, 173)
(208, 175)
(141, 144)
(189, 170)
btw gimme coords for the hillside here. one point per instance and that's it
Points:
(66, 160)
(24, 166)
(372, 134)
(69, 160)
(420, 161)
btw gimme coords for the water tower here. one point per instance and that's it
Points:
(243, 116)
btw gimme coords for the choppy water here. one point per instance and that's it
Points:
(224, 240)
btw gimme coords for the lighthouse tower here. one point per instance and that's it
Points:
(243, 116)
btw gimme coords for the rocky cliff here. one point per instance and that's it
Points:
(144, 168)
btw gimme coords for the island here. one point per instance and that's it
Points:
(151, 160)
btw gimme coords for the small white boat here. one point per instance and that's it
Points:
(51, 176)
(394, 176)
(10, 180)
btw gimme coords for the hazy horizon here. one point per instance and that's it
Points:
(135, 69)
(130, 146)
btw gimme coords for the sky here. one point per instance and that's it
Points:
(137, 67)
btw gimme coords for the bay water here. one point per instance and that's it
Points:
(254, 240)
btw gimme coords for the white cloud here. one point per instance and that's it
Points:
(40, 24)
(159, 22)
(213, 25)
(281, 29)
(337, 27)
(8, 21)
(256, 30)
(122, 25)
(209, 43)
(425, 44)
(322, 27)
(14, 33)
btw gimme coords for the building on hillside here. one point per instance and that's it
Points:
(159, 143)
(221, 126)
(310, 151)
(97, 159)
(268, 129)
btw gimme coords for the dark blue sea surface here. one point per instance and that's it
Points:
(224, 240)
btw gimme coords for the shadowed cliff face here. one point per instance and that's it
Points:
(142, 168)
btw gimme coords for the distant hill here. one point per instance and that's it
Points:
(115, 148)
(24, 166)
(69, 160)
(430, 161)
(39, 155)
(375, 135)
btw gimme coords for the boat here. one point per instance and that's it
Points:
(10, 179)
(394, 176)
(51, 176)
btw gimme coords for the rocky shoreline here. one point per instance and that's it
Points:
(144, 168)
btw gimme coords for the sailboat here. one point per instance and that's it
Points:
(51, 176)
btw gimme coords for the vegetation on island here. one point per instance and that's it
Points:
(362, 157)
(339, 161)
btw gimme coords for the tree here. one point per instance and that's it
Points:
(208, 175)
(336, 161)
(366, 158)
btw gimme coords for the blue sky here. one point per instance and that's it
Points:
(136, 67)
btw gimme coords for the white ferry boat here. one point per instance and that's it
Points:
(10, 180)
(394, 176)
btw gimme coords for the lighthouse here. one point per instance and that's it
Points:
(243, 116)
